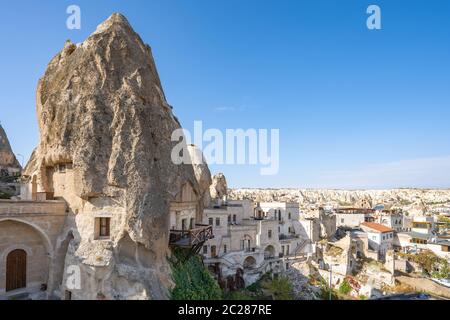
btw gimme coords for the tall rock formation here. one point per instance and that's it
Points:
(105, 147)
(8, 162)
(219, 187)
(9, 168)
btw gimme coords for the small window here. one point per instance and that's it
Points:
(217, 222)
(229, 218)
(105, 227)
(269, 234)
(205, 249)
(192, 223)
(102, 227)
(211, 221)
(234, 218)
(62, 168)
(213, 252)
(342, 220)
(289, 216)
(68, 295)
(224, 248)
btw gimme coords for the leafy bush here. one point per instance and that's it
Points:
(444, 270)
(239, 295)
(280, 288)
(345, 287)
(192, 280)
(427, 260)
(4, 196)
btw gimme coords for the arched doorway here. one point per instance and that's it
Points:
(269, 252)
(15, 235)
(249, 262)
(16, 270)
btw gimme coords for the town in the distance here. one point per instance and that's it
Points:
(100, 212)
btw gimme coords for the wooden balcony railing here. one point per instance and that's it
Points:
(188, 238)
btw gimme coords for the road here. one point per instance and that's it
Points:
(425, 285)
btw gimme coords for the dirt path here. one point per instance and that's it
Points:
(426, 285)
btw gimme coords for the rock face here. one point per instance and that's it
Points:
(219, 187)
(202, 173)
(414, 201)
(9, 168)
(8, 162)
(105, 146)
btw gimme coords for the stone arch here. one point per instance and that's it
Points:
(17, 234)
(13, 247)
(44, 236)
(249, 262)
(269, 252)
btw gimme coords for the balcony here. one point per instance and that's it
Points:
(191, 238)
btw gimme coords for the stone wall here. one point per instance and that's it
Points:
(34, 227)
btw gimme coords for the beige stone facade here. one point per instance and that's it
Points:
(35, 228)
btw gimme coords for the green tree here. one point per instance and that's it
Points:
(345, 287)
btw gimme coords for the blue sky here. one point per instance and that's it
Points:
(355, 108)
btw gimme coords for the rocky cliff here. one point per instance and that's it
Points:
(8, 161)
(415, 201)
(9, 167)
(102, 112)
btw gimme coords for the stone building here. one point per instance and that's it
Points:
(251, 238)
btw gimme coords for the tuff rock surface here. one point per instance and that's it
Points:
(202, 173)
(219, 187)
(8, 160)
(9, 167)
(102, 109)
(413, 201)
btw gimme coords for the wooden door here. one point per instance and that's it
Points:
(16, 270)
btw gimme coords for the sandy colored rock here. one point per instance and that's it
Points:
(202, 173)
(219, 187)
(9, 168)
(8, 161)
(102, 113)
(413, 201)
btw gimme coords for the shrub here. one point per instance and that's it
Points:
(280, 288)
(345, 287)
(192, 280)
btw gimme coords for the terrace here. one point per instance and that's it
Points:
(193, 238)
